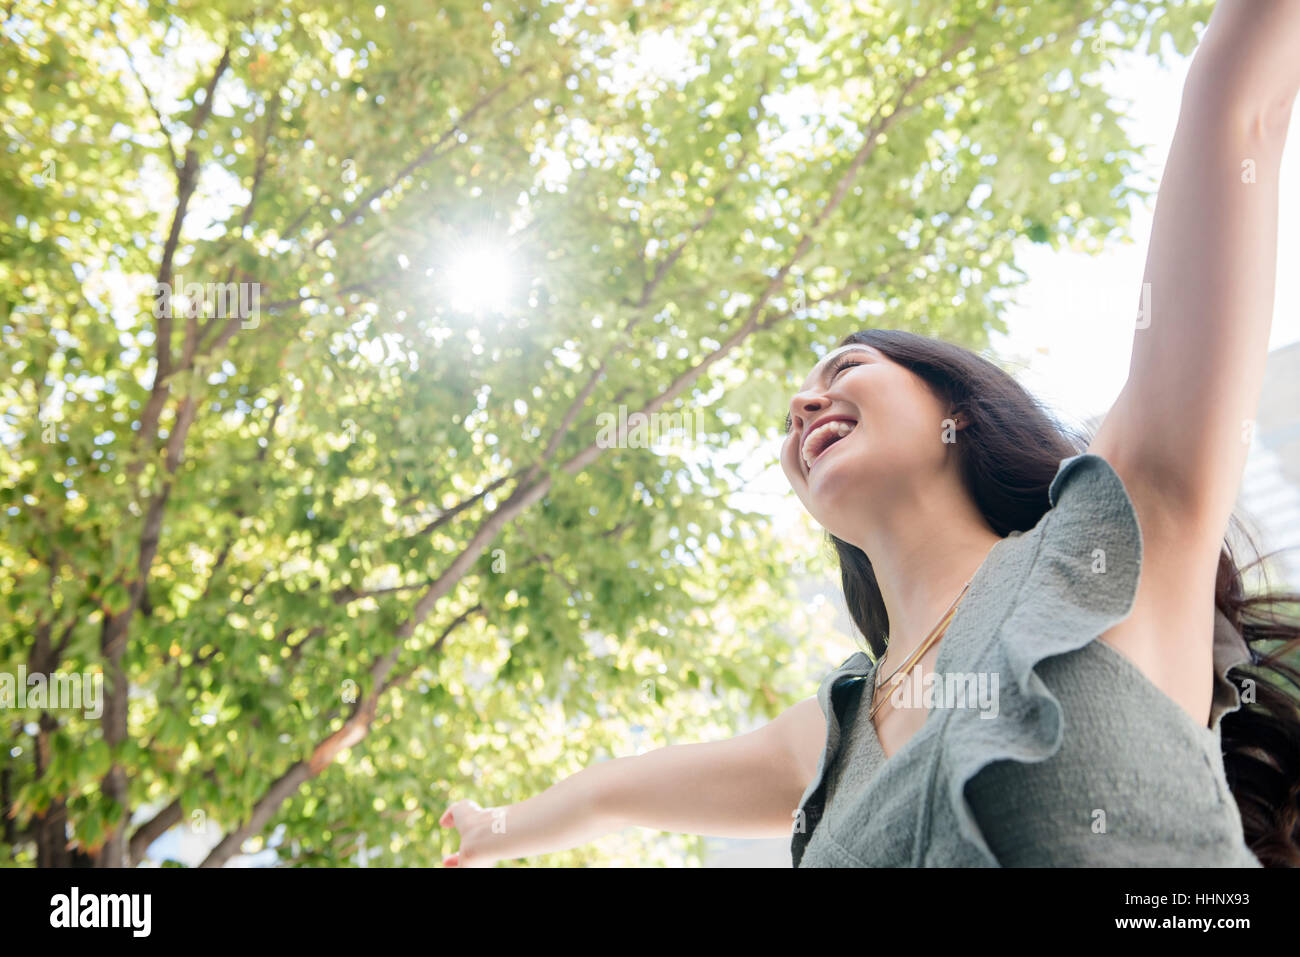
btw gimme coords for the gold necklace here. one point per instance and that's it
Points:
(906, 667)
(935, 634)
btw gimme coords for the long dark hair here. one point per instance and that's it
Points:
(1011, 450)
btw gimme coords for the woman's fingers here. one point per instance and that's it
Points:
(449, 817)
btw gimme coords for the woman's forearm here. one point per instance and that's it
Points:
(746, 786)
(566, 815)
(739, 787)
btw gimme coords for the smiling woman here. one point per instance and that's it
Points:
(952, 472)
(1109, 603)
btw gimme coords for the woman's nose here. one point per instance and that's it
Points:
(807, 404)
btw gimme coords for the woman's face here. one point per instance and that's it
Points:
(862, 427)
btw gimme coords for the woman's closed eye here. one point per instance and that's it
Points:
(840, 366)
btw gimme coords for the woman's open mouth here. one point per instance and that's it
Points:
(826, 434)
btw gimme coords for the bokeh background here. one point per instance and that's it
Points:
(364, 550)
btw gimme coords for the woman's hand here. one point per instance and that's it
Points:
(564, 816)
(482, 834)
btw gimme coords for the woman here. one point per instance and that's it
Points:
(1115, 705)
(1054, 623)
(1020, 581)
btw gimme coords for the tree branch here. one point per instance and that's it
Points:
(186, 182)
(425, 156)
(162, 125)
(354, 729)
(447, 515)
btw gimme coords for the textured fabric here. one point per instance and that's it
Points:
(1084, 763)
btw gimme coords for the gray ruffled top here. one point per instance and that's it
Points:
(1080, 760)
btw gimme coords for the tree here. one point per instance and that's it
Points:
(343, 555)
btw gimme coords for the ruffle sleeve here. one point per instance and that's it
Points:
(1230, 650)
(812, 803)
(1081, 567)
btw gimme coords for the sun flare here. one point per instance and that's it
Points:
(481, 278)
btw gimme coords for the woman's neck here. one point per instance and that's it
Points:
(920, 566)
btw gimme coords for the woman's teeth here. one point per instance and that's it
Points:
(815, 437)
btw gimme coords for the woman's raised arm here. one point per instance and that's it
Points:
(1179, 432)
